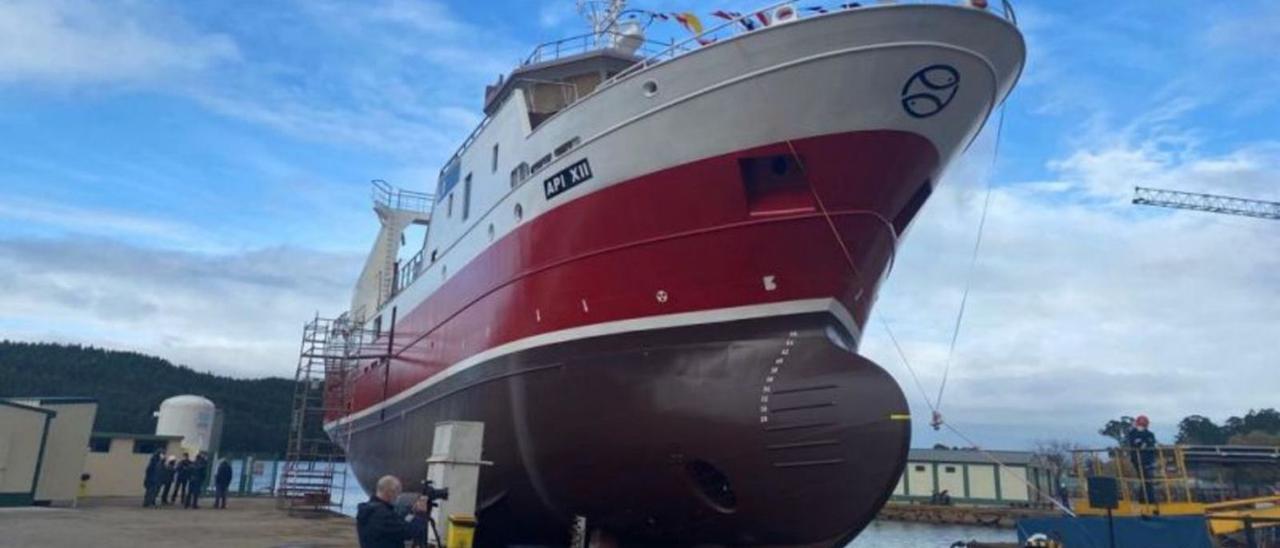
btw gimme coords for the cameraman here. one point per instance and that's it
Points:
(378, 525)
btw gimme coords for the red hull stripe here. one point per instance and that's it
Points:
(729, 231)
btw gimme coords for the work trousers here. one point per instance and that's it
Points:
(149, 499)
(220, 496)
(193, 495)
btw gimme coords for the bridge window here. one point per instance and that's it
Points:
(541, 163)
(466, 197)
(449, 177)
(519, 174)
(567, 146)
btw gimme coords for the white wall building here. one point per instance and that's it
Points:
(970, 477)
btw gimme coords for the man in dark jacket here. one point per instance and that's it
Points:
(195, 481)
(167, 471)
(221, 481)
(1142, 444)
(378, 525)
(151, 480)
(181, 475)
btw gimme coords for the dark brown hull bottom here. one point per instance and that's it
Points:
(751, 432)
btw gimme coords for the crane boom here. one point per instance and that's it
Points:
(1212, 203)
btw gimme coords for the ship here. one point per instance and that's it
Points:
(648, 270)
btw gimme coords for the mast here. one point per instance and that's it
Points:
(602, 15)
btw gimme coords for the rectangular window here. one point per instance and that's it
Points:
(449, 177)
(919, 468)
(466, 197)
(494, 167)
(541, 163)
(99, 444)
(449, 214)
(147, 447)
(951, 469)
(566, 147)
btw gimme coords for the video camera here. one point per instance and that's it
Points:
(434, 495)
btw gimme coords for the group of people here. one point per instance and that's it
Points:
(170, 479)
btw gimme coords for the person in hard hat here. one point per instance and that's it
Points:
(1141, 444)
(378, 525)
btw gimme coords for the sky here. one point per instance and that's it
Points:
(191, 180)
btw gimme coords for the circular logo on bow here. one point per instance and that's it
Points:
(930, 90)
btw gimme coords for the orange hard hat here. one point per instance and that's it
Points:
(1142, 420)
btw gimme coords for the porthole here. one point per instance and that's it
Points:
(650, 88)
(519, 213)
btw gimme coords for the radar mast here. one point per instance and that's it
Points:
(602, 15)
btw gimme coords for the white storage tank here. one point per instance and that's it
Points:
(191, 417)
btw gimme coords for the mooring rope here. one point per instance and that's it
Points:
(968, 283)
(822, 206)
(903, 356)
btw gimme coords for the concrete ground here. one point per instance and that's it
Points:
(123, 523)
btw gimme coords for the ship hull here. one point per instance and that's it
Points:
(765, 431)
(668, 346)
(641, 375)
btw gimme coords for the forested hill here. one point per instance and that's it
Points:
(130, 386)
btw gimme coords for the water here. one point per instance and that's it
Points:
(880, 534)
(897, 534)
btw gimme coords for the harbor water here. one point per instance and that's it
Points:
(880, 534)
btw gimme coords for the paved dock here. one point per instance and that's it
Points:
(123, 523)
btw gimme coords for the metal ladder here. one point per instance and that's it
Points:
(314, 476)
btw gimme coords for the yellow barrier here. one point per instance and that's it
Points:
(461, 531)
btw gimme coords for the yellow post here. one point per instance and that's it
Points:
(461, 531)
(1164, 474)
(1182, 471)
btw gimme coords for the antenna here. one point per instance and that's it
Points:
(601, 14)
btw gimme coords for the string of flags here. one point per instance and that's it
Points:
(752, 21)
(693, 24)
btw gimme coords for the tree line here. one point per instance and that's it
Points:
(1257, 427)
(130, 386)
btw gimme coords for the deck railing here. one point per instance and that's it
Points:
(576, 45)
(726, 29)
(395, 198)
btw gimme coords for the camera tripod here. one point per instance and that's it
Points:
(434, 496)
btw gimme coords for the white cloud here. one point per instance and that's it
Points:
(239, 314)
(1248, 31)
(1083, 307)
(97, 221)
(78, 42)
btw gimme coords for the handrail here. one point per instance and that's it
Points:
(582, 43)
(707, 37)
(397, 198)
(712, 35)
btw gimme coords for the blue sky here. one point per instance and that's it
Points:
(190, 179)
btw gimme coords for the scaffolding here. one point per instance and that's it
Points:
(314, 476)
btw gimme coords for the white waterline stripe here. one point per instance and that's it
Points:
(611, 328)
